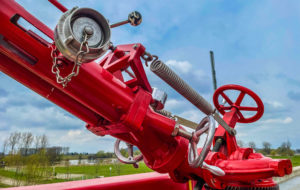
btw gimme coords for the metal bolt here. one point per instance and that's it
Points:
(88, 30)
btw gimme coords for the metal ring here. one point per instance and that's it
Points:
(130, 159)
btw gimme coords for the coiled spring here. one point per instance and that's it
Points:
(170, 77)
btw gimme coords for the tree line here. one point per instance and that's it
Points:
(283, 150)
(30, 156)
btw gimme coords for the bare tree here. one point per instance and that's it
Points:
(37, 143)
(240, 143)
(266, 148)
(65, 150)
(288, 145)
(5, 144)
(252, 145)
(285, 149)
(44, 141)
(27, 139)
(13, 141)
(40, 143)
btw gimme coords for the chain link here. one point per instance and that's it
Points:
(147, 57)
(78, 61)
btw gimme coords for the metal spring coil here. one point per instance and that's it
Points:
(170, 77)
(164, 113)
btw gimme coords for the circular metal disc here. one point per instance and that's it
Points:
(78, 30)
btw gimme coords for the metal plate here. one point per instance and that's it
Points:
(78, 26)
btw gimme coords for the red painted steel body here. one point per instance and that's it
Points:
(110, 106)
(147, 181)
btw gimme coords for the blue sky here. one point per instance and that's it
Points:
(256, 44)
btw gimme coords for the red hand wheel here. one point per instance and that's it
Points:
(259, 109)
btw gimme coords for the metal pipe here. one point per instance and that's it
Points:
(58, 5)
(119, 24)
(171, 78)
(212, 60)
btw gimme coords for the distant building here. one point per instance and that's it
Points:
(27, 151)
(55, 149)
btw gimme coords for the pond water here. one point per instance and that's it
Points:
(83, 161)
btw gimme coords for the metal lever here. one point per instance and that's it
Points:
(134, 18)
(213, 169)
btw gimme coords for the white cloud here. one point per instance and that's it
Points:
(193, 115)
(84, 140)
(173, 104)
(35, 116)
(200, 74)
(286, 120)
(77, 136)
(275, 104)
(180, 66)
(3, 100)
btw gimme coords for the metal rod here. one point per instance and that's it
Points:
(58, 5)
(212, 60)
(119, 24)
(185, 122)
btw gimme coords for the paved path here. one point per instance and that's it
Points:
(68, 176)
(10, 181)
(13, 182)
(292, 184)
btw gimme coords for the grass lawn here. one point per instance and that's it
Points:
(23, 177)
(3, 185)
(295, 159)
(12, 174)
(89, 171)
(103, 170)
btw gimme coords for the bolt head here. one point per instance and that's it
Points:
(88, 30)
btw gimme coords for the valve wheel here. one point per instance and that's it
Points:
(206, 125)
(259, 109)
(131, 159)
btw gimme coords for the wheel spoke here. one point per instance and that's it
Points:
(240, 98)
(225, 107)
(194, 148)
(240, 115)
(130, 150)
(226, 98)
(245, 108)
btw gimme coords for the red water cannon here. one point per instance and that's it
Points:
(64, 71)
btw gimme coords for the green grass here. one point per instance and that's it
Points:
(4, 185)
(103, 170)
(295, 159)
(89, 171)
(12, 174)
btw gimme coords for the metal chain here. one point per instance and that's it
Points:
(78, 61)
(147, 57)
